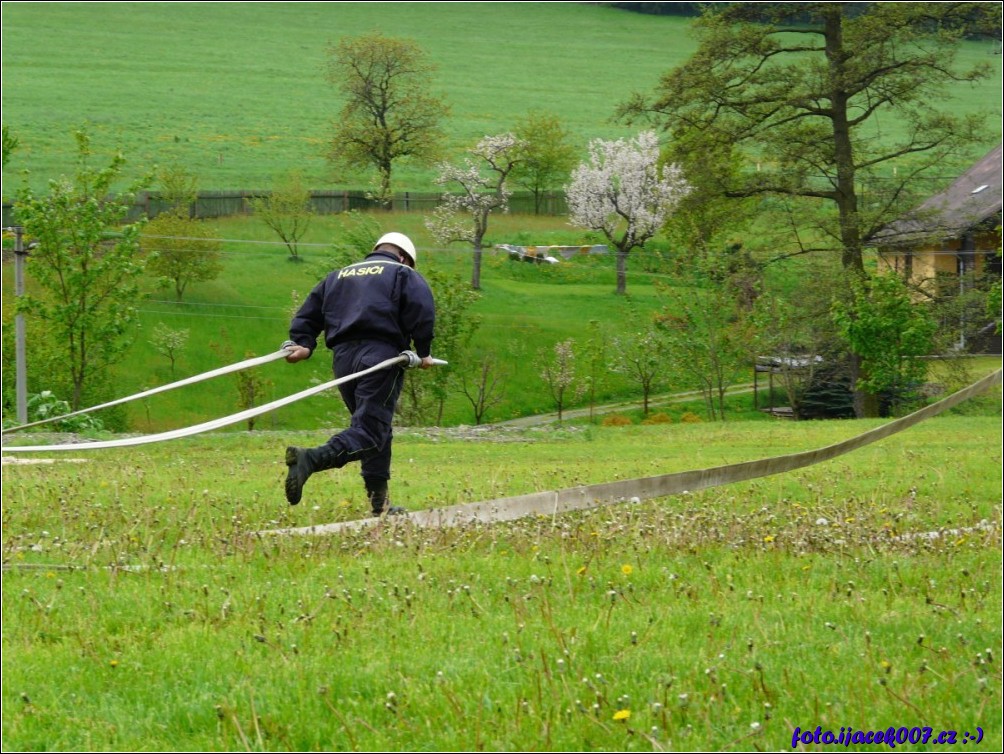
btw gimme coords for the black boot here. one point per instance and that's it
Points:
(303, 462)
(376, 491)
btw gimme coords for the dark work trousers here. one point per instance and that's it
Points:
(371, 400)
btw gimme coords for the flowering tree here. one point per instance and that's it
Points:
(483, 189)
(623, 193)
(559, 373)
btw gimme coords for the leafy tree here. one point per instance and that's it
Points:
(483, 189)
(809, 360)
(168, 342)
(252, 388)
(86, 267)
(994, 297)
(10, 144)
(624, 193)
(705, 221)
(287, 211)
(596, 363)
(425, 391)
(179, 190)
(883, 325)
(389, 111)
(641, 357)
(180, 249)
(801, 91)
(708, 338)
(559, 374)
(353, 239)
(546, 158)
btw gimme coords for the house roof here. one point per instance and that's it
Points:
(974, 197)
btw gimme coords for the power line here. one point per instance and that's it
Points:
(202, 315)
(201, 303)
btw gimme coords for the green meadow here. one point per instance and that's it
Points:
(522, 311)
(236, 92)
(144, 609)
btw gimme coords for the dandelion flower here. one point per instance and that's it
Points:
(622, 714)
(626, 569)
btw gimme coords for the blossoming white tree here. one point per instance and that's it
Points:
(624, 193)
(483, 189)
(560, 375)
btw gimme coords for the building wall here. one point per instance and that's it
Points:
(924, 264)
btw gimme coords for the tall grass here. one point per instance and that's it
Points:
(141, 612)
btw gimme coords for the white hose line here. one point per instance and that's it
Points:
(590, 496)
(163, 388)
(210, 425)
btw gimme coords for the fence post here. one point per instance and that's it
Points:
(21, 374)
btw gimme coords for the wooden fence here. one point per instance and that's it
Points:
(210, 204)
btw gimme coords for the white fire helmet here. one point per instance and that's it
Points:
(401, 241)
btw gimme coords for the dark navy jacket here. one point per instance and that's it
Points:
(376, 299)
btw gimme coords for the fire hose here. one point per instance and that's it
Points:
(407, 359)
(163, 388)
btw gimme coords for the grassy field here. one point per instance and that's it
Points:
(523, 309)
(141, 612)
(199, 85)
(236, 92)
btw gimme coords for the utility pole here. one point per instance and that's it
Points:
(21, 372)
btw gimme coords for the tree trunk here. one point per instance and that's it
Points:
(385, 197)
(845, 190)
(621, 272)
(476, 269)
